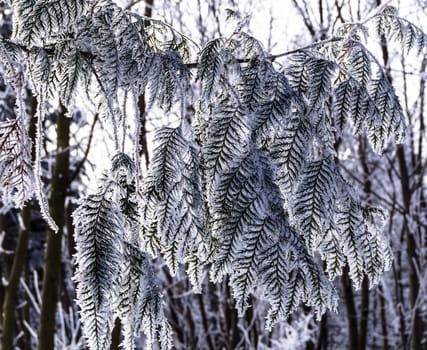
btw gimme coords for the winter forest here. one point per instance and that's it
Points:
(213, 174)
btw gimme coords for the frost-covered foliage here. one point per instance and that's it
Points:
(250, 190)
(16, 173)
(114, 276)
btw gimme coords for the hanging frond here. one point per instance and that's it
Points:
(325, 129)
(123, 172)
(169, 79)
(244, 280)
(166, 165)
(363, 108)
(16, 173)
(41, 67)
(275, 106)
(350, 225)
(238, 206)
(319, 292)
(298, 72)
(118, 268)
(138, 301)
(383, 20)
(99, 255)
(149, 238)
(390, 120)
(343, 102)
(360, 65)
(252, 83)
(257, 247)
(227, 142)
(180, 233)
(389, 23)
(195, 266)
(11, 57)
(39, 186)
(331, 251)
(211, 66)
(166, 335)
(283, 284)
(251, 47)
(376, 250)
(150, 317)
(289, 153)
(132, 49)
(172, 202)
(22, 10)
(71, 72)
(320, 72)
(123, 169)
(42, 21)
(314, 199)
(106, 62)
(169, 215)
(130, 291)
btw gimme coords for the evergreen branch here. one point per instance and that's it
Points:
(98, 233)
(110, 107)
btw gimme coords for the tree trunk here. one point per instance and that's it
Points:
(115, 335)
(52, 266)
(383, 311)
(322, 339)
(416, 332)
(364, 314)
(11, 297)
(365, 294)
(205, 322)
(353, 329)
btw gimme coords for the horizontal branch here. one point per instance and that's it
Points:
(193, 65)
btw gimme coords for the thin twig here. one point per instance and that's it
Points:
(86, 154)
(171, 27)
(193, 65)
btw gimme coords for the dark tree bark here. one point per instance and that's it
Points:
(365, 293)
(383, 318)
(11, 295)
(115, 335)
(52, 267)
(322, 340)
(353, 329)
